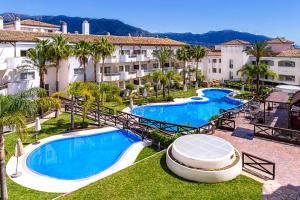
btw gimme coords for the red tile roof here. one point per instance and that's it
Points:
(214, 53)
(236, 42)
(30, 22)
(280, 40)
(22, 36)
(295, 53)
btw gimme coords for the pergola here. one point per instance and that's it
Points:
(276, 97)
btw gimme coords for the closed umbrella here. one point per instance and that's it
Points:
(131, 103)
(37, 129)
(145, 92)
(19, 151)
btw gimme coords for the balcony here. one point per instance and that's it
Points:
(124, 76)
(140, 73)
(127, 58)
(110, 77)
(141, 58)
(112, 59)
(13, 63)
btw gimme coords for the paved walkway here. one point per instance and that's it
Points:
(286, 157)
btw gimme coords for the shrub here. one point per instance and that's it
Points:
(169, 98)
(60, 122)
(164, 139)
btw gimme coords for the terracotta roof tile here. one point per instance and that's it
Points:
(214, 53)
(279, 40)
(30, 22)
(290, 53)
(22, 36)
(236, 42)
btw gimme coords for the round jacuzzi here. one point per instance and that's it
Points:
(204, 158)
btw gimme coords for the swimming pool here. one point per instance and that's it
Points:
(80, 157)
(190, 112)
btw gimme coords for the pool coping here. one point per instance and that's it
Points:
(33, 180)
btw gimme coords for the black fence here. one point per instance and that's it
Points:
(277, 134)
(258, 166)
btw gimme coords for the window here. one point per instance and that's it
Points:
(23, 53)
(155, 65)
(286, 63)
(214, 70)
(268, 62)
(230, 75)
(219, 70)
(136, 52)
(124, 52)
(27, 75)
(121, 68)
(78, 71)
(136, 67)
(220, 60)
(127, 68)
(230, 63)
(286, 78)
(107, 70)
(214, 60)
(144, 66)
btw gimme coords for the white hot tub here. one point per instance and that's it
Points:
(204, 158)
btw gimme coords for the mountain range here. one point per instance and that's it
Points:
(116, 27)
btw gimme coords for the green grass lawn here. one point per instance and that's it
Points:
(49, 128)
(146, 152)
(150, 179)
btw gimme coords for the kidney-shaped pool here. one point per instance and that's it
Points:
(191, 112)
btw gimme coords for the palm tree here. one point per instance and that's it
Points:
(250, 71)
(106, 49)
(163, 56)
(157, 76)
(184, 54)
(83, 51)
(59, 50)
(198, 52)
(14, 110)
(96, 56)
(258, 49)
(39, 57)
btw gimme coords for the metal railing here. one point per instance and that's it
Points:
(258, 166)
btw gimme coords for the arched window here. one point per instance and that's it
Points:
(286, 63)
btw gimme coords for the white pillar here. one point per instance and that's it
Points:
(85, 27)
(1, 22)
(18, 24)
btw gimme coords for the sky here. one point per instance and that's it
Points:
(267, 17)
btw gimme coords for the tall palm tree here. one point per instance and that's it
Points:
(198, 52)
(82, 51)
(96, 56)
(258, 49)
(59, 50)
(163, 56)
(106, 49)
(39, 57)
(184, 54)
(157, 76)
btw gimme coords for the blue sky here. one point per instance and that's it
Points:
(269, 17)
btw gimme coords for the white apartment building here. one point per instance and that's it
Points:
(131, 61)
(226, 59)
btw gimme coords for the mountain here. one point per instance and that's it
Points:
(117, 27)
(214, 37)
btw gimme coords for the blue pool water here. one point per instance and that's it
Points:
(80, 157)
(192, 113)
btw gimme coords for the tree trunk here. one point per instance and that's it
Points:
(4, 194)
(257, 83)
(156, 89)
(84, 72)
(197, 71)
(164, 90)
(42, 79)
(95, 72)
(57, 77)
(102, 73)
(72, 112)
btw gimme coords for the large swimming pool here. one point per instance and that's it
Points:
(192, 112)
(81, 156)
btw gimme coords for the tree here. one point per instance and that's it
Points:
(184, 54)
(198, 52)
(73, 91)
(83, 51)
(157, 76)
(258, 49)
(250, 71)
(59, 50)
(14, 110)
(163, 56)
(171, 75)
(96, 56)
(38, 58)
(106, 49)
